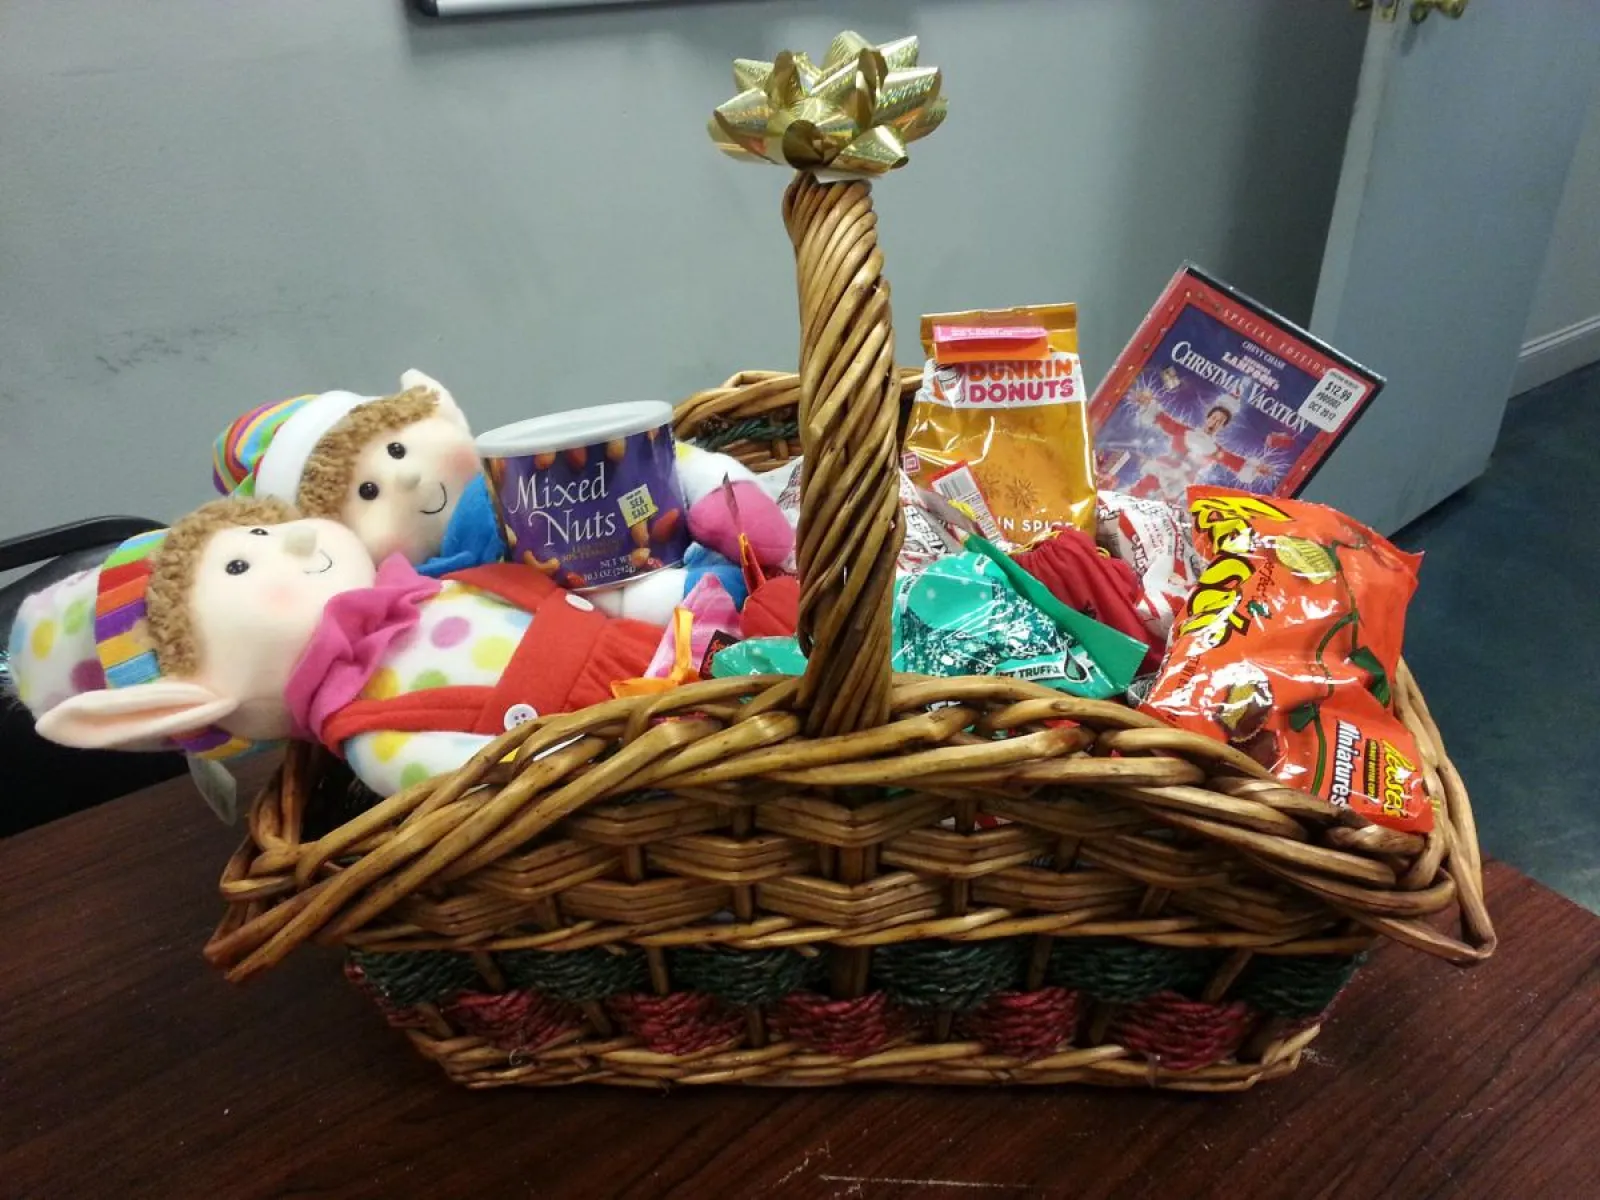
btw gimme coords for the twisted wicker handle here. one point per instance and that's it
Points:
(850, 523)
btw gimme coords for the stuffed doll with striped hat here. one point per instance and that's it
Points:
(133, 654)
(400, 470)
(246, 622)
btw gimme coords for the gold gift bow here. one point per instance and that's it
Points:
(852, 116)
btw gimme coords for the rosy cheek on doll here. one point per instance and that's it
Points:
(462, 462)
(278, 596)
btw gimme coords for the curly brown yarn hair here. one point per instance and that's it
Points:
(325, 485)
(173, 569)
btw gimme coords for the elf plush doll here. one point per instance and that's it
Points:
(246, 622)
(402, 472)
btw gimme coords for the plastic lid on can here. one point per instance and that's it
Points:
(569, 430)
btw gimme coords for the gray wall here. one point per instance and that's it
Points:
(1564, 325)
(206, 205)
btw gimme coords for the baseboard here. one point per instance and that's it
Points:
(1553, 355)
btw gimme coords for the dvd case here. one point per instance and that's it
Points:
(1215, 388)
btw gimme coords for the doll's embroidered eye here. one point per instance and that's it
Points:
(396, 450)
(259, 532)
(368, 490)
(237, 566)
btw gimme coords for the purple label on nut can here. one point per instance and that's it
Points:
(596, 515)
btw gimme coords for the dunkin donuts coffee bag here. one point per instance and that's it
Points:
(999, 426)
(1287, 650)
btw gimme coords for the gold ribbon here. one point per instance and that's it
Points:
(852, 116)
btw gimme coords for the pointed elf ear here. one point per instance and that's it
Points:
(127, 716)
(447, 403)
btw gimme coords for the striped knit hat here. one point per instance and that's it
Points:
(90, 632)
(264, 452)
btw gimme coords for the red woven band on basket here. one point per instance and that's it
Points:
(1023, 1024)
(846, 1028)
(519, 1020)
(1179, 1034)
(682, 1023)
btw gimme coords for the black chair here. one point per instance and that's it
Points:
(43, 781)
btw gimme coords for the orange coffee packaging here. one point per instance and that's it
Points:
(1287, 649)
(999, 425)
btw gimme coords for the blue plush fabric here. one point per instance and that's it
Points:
(472, 538)
(699, 561)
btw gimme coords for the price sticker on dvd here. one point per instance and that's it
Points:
(1334, 398)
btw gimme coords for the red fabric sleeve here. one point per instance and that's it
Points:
(514, 583)
(773, 609)
(444, 710)
(1079, 576)
(568, 659)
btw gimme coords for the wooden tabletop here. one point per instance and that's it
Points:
(129, 1068)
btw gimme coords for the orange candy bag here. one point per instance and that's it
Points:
(1287, 649)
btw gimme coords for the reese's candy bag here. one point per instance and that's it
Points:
(1287, 648)
(999, 424)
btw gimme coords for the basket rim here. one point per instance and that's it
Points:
(300, 893)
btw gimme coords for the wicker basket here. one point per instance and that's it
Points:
(848, 877)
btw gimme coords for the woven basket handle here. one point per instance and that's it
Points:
(850, 430)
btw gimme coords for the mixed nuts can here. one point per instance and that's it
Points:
(589, 497)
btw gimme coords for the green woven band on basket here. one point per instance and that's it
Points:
(337, 797)
(744, 977)
(1294, 987)
(753, 429)
(406, 978)
(575, 975)
(1120, 971)
(949, 976)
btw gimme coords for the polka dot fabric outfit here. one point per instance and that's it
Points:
(52, 643)
(464, 637)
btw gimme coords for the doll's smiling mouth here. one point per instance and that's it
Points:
(327, 564)
(444, 498)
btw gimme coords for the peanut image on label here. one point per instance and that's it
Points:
(666, 525)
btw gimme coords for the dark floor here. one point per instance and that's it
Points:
(1496, 636)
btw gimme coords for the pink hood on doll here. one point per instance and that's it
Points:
(357, 630)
